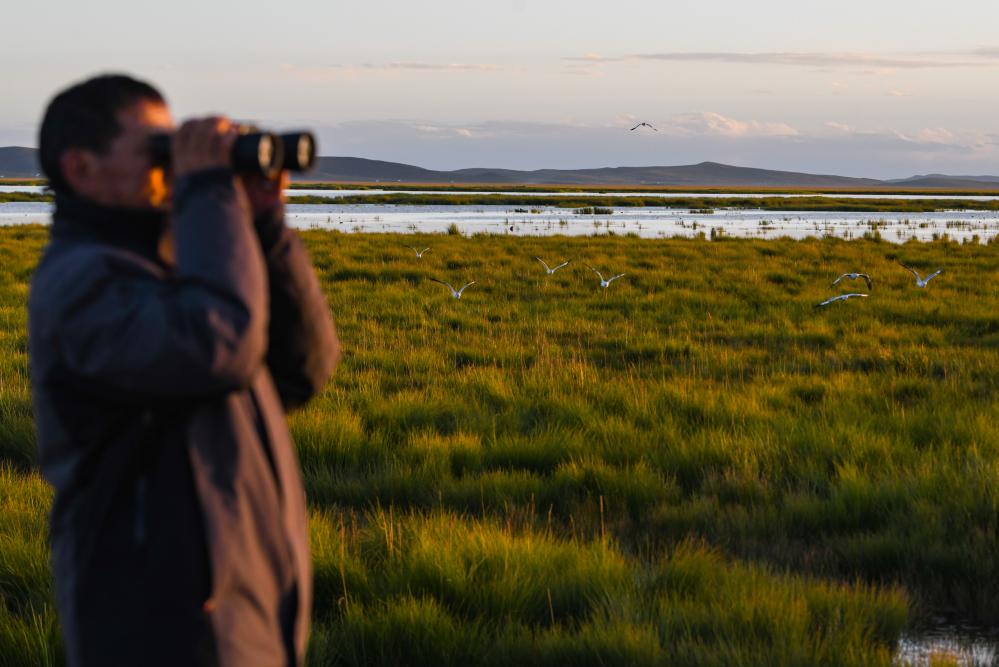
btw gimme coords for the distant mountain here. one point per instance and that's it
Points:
(945, 181)
(18, 162)
(710, 174)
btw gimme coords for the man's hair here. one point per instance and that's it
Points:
(84, 116)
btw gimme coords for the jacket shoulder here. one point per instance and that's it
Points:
(68, 271)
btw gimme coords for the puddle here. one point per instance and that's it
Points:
(949, 642)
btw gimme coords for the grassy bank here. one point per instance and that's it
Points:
(610, 189)
(775, 203)
(694, 466)
(887, 191)
(8, 197)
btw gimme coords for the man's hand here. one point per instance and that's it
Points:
(203, 143)
(265, 194)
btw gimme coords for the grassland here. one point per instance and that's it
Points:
(886, 190)
(8, 197)
(776, 203)
(692, 467)
(608, 202)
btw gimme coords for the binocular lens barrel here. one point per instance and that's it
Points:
(299, 151)
(263, 153)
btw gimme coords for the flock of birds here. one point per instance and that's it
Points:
(920, 283)
(605, 282)
(549, 270)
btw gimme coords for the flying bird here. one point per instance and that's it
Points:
(921, 282)
(841, 297)
(419, 253)
(604, 283)
(550, 270)
(640, 125)
(854, 276)
(455, 293)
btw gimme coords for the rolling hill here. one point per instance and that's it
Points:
(20, 162)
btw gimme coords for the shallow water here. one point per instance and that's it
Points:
(334, 194)
(36, 189)
(654, 222)
(963, 644)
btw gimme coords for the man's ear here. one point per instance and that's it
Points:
(79, 169)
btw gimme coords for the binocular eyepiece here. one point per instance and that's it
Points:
(255, 152)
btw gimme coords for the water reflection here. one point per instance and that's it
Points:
(949, 642)
(334, 194)
(656, 222)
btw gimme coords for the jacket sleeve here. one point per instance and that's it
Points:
(303, 345)
(126, 332)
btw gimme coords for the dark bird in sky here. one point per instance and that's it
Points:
(641, 124)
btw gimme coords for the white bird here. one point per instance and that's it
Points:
(604, 283)
(419, 253)
(921, 282)
(854, 276)
(841, 297)
(640, 125)
(549, 269)
(455, 293)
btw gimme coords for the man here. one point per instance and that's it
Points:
(173, 318)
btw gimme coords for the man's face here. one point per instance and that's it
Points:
(125, 176)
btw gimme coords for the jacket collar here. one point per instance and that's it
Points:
(135, 229)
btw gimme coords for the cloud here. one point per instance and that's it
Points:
(326, 72)
(709, 123)
(932, 139)
(839, 127)
(439, 67)
(853, 60)
(986, 52)
(835, 147)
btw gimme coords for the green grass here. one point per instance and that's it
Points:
(692, 467)
(603, 204)
(566, 200)
(519, 187)
(7, 197)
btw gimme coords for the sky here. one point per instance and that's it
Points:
(883, 89)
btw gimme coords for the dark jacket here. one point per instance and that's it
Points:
(179, 529)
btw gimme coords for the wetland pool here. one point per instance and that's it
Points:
(656, 222)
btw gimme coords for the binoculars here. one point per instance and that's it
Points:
(255, 152)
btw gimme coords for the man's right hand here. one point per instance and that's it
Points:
(203, 143)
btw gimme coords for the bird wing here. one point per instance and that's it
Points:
(543, 263)
(867, 279)
(466, 285)
(635, 128)
(565, 263)
(599, 275)
(933, 275)
(610, 280)
(448, 285)
(839, 279)
(424, 250)
(910, 270)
